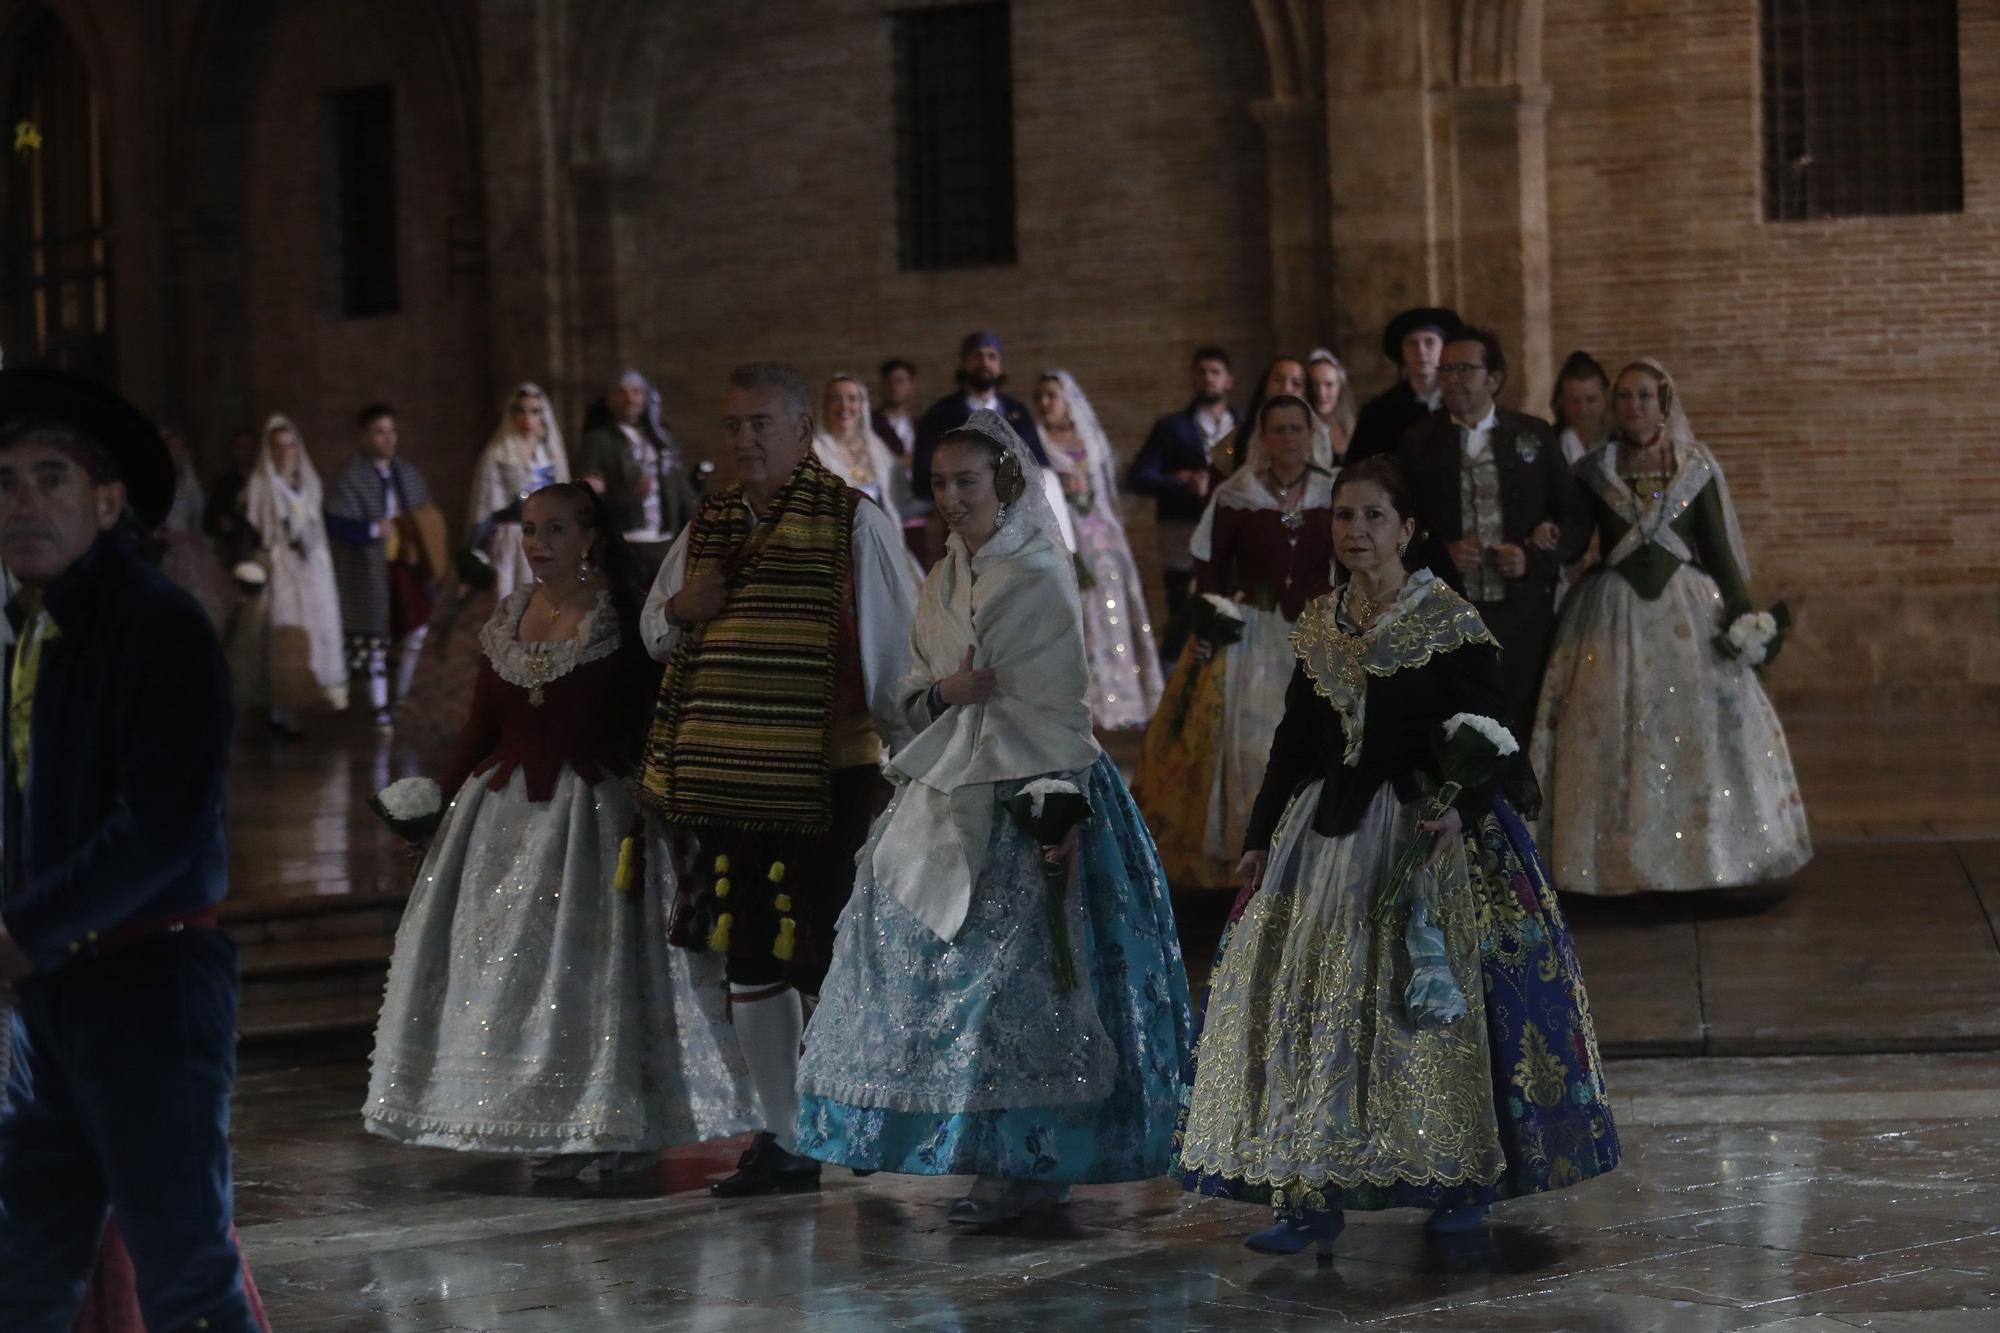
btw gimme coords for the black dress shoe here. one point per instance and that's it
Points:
(765, 1168)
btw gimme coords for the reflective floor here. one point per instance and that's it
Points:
(1809, 1194)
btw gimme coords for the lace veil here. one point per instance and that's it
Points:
(1680, 434)
(1101, 465)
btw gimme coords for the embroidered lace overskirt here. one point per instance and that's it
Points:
(938, 1058)
(1310, 1078)
(532, 1007)
(1664, 764)
(1260, 669)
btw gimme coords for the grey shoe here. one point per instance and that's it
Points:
(561, 1166)
(996, 1199)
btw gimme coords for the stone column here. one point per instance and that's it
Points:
(1301, 278)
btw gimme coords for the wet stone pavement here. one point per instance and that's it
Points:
(1807, 1194)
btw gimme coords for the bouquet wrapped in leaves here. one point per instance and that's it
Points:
(1755, 637)
(1217, 622)
(1469, 748)
(412, 808)
(1047, 810)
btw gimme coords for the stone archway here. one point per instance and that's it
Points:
(1430, 164)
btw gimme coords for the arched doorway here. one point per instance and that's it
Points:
(55, 270)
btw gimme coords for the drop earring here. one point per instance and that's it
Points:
(583, 571)
(1000, 517)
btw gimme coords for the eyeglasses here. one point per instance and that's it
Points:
(1461, 368)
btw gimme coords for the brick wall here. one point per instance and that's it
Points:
(773, 232)
(1841, 370)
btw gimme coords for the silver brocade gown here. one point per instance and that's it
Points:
(1664, 764)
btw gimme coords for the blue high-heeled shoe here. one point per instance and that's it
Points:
(1294, 1232)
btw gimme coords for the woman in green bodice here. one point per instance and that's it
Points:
(1664, 763)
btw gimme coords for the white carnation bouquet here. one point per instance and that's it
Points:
(1048, 810)
(1754, 637)
(412, 808)
(250, 577)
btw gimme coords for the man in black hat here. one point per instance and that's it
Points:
(124, 989)
(1414, 341)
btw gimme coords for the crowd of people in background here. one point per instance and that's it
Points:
(778, 805)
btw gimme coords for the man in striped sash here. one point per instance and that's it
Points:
(782, 613)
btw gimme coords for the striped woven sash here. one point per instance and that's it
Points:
(741, 731)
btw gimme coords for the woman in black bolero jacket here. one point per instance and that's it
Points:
(1349, 1064)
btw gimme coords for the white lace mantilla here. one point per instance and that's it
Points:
(534, 665)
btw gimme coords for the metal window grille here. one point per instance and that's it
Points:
(360, 249)
(1861, 108)
(954, 83)
(55, 280)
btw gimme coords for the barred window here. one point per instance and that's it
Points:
(1861, 114)
(55, 264)
(954, 82)
(358, 205)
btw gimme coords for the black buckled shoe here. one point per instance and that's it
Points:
(765, 1168)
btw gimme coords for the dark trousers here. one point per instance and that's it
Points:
(1524, 624)
(118, 1105)
(1174, 636)
(824, 872)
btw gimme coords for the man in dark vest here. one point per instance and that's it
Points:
(1413, 342)
(124, 989)
(1487, 481)
(782, 613)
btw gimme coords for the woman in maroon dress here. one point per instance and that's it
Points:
(1264, 548)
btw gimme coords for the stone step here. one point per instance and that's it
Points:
(313, 970)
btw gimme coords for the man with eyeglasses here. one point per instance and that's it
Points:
(1487, 481)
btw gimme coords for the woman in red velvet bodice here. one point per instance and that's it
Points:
(533, 1004)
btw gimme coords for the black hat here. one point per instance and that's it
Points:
(1441, 318)
(128, 439)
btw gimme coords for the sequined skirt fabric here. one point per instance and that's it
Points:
(1117, 632)
(938, 1058)
(532, 1007)
(1310, 1076)
(1664, 763)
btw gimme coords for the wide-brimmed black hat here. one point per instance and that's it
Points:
(1442, 318)
(122, 431)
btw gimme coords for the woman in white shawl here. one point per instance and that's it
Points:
(286, 649)
(525, 448)
(1664, 763)
(945, 1042)
(525, 454)
(1263, 549)
(849, 446)
(1117, 633)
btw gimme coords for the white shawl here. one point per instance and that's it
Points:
(1015, 604)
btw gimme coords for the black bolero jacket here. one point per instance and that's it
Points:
(1450, 665)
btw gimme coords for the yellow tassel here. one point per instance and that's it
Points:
(783, 902)
(788, 932)
(718, 939)
(777, 871)
(722, 865)
(628, 855)
(722, 887)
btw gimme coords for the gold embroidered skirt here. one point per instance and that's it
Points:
(1311, 1077)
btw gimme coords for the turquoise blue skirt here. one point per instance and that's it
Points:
(1131, 959)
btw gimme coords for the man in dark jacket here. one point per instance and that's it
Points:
(1172, 467)
(124, 989)
(1487, 481)
(1414, 341)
